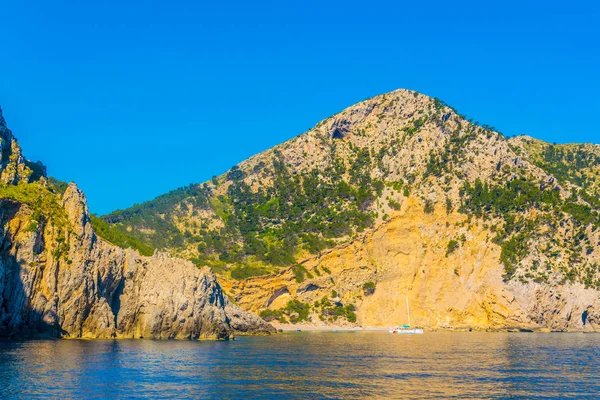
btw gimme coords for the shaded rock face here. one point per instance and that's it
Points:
(70, 283)
(342, 126)
(339, 128)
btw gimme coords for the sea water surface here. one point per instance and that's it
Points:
(308, 365)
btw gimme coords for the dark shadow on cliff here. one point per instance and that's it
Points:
(115, 305)
(18, 320)
(17, 317)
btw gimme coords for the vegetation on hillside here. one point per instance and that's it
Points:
(269, 225)
(266, 214)
(118, 238)
(530, 210)
(45, 211)
(159, 215)
(43, 202)
(570, 163)
(296, 311)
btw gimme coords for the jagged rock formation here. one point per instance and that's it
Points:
(402, 194)
(64, 281)
(13, 166)
(59, 279)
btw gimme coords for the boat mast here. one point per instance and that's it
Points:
(407, 311)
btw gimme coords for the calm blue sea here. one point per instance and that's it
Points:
(308, 365)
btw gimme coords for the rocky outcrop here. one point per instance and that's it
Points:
(14, 168)
(59, 279)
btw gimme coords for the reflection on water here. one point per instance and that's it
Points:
(308, 364)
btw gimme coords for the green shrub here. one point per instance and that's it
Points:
(368, 288)
(297, 307)
(448, 206)
(452, 246)
(350, 316)
(270, 315)
(429, 207)
(512, 251)
(299, 272)
(295, 310)
(394, 204)
(247, 271)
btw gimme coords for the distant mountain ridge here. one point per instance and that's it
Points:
(516, 220)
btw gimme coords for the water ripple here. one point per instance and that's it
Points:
(308, 364)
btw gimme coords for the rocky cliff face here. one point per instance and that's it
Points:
(407, 257)
(397, 195)
(64, 281)
(59, 279)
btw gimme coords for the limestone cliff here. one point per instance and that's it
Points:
(407, 256)
(61, 280)
(58, 279)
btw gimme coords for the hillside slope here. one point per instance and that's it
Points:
(398, 194)
(58, 278)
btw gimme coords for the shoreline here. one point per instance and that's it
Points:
(325, 328)
(328, 328)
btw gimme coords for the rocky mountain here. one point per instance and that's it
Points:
(396, 196)
(58, 278)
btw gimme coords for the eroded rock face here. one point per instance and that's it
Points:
(67, 282)
(407, 257)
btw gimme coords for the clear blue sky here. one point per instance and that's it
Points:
(132, 99)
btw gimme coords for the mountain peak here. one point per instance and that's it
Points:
(399, 105)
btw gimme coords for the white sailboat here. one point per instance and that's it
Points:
(406, 329)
